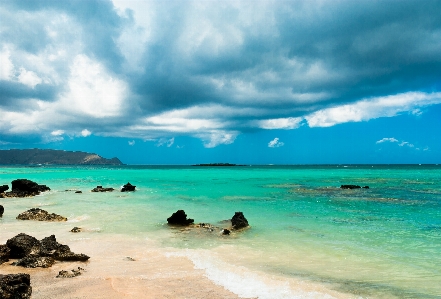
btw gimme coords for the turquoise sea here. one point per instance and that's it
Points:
(381, 242)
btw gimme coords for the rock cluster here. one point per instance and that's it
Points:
(179, 218)
(15, 286)
(128, 188)
(23, 188)
(40, 215)
(101, 189)
(32, 253)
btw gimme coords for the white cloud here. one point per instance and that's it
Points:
(275, 143)
(405, 143)
(367, 109)
(387, 140)
(85, 133)
(217, 137)
(131, 143)
(165, 141)
(92, 91)
(57, 133)
(280, 123)
(28, 78)
(6, 65)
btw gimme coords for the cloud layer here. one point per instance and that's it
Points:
(212, 70)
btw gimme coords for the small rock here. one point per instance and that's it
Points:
(239, 221)
(70, 274)
(76, 229)
(15, 286)
(179, 218)
(40, 215)
(79, 191)
(128, 188)
(2, 210)
(365, 187)
(226, 231)
(128, 258)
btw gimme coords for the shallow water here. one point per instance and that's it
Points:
(306, 233)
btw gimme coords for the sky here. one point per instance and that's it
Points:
(249, 82)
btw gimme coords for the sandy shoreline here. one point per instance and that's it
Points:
(127, 267)
(111, 274)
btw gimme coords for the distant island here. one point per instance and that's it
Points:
(218, 164)
(52, 157)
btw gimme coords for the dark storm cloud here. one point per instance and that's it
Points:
(224, 65)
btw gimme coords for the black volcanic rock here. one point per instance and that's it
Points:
(239, 221)
(52, 157)
(2, 210)
(179, 218)
(5, 252)
(25, 188)
(15, 286)
(34, 261)
(4, 188)
(128, 188)
(21, 245)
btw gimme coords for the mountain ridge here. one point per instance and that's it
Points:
(53, 157)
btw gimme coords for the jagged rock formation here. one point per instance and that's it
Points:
(179, 218)
(128, 188)
(52, 157)
(40, 215)
(239, 221)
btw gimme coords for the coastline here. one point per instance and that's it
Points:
(128, 267)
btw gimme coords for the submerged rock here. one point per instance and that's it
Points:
(15, 286)
(2, 210)
(239, 221)
(128, 188)
(350, 187)
(40, 215)
(101, 189)
(179, 218)
(5, 252)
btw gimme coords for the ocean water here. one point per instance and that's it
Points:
(381, 242)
